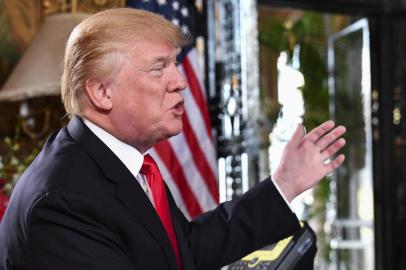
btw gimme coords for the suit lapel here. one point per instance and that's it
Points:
(187, 258)
(140, 206)
(128, 191)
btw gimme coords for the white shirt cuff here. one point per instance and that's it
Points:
(282, 195)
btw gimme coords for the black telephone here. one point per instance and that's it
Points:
(295, 252)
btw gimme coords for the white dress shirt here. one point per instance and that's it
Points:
(129, 156)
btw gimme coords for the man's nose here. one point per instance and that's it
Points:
(177, 80)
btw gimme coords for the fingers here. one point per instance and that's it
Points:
(329, 138)
(333, 149)
(297, 136)
(335, 163)
(319, 131)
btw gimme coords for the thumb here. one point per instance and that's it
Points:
(297, 136)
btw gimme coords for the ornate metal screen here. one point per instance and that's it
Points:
(233, 85)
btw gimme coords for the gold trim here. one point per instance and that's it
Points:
(74, 5)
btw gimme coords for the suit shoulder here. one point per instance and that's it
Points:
(60, 165)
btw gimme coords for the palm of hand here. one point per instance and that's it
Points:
(308, 158)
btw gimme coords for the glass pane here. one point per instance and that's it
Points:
(352, 227)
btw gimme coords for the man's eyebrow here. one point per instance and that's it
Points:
(162, 59)
(159, 59)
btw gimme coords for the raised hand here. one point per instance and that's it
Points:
(306, 159)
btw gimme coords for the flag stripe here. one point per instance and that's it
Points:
(193, 59)
(197, 93)
(195, 178)
(201, 163)
(168, 157)
(196, 122)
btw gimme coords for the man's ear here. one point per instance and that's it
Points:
(99, 94)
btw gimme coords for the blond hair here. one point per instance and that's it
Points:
(97, 45)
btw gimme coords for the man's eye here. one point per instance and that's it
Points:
(158, 68)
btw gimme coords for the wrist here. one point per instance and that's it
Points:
(285, 186)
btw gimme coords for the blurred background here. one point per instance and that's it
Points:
(264, 67)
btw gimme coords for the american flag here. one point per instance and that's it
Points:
(188, 160)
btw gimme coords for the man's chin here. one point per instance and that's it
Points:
(174, 130)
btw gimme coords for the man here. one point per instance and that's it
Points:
(88, 201)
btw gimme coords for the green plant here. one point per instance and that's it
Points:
(18, 154)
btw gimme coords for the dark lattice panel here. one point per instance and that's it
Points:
(399, 121)
(230, 122)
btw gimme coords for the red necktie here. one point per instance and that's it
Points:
(157, 186)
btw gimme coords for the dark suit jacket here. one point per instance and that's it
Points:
(78, 207)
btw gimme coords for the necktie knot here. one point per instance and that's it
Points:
(148, 166)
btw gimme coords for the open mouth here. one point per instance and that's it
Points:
(178, 108)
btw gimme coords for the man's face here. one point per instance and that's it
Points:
(147, 99)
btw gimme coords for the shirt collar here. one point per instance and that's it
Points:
(130, 156)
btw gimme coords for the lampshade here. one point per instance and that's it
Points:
(39, 71)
